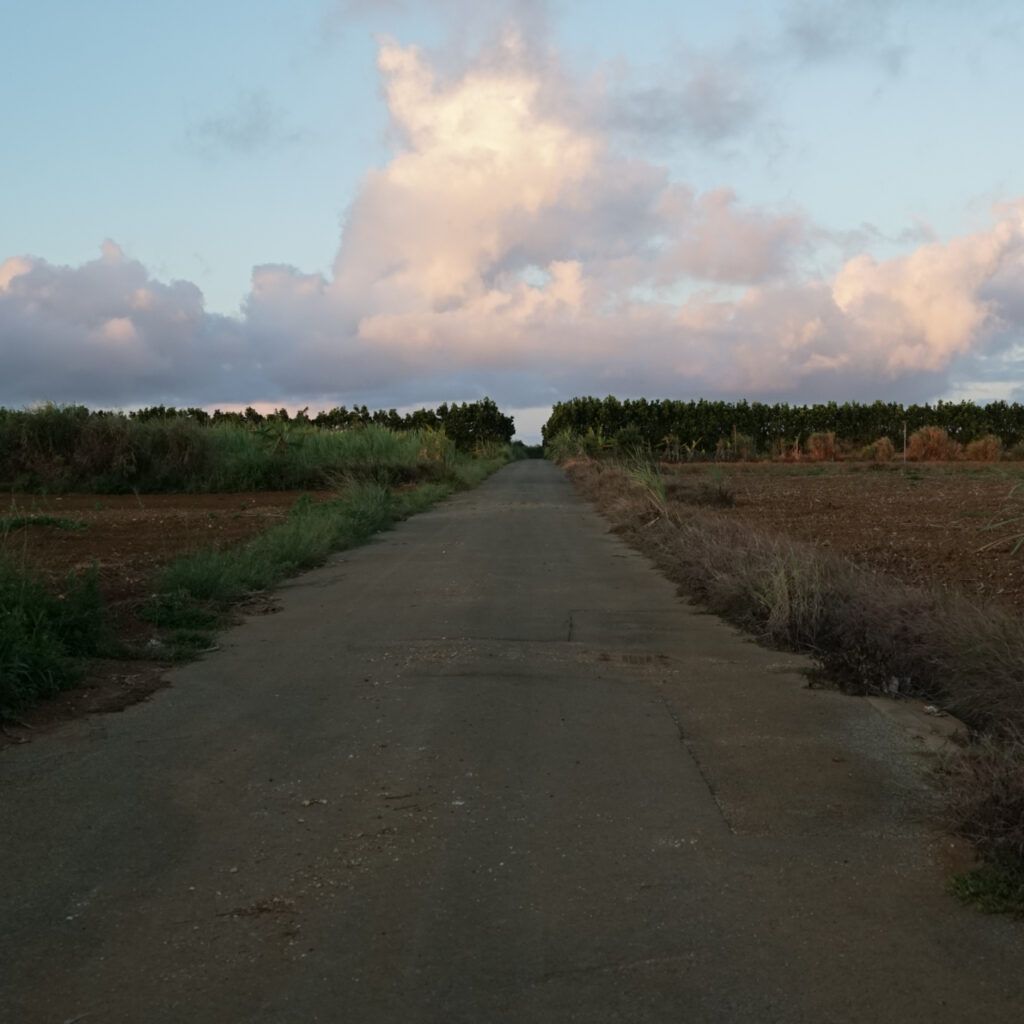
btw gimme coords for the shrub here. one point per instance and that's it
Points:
(881, 451)
(821, 446)
(736, 448)
(630, 440)
(984, 449)
(986, 806)
(932, 444)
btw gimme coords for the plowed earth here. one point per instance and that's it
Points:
(128, 538)
(929, 524)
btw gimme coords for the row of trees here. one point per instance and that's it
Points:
(470, 425)
(701, 425)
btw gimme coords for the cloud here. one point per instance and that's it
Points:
(710, 102)
(106, 332)
(509, 249)
(251, 126)
(467, 25)
(817, 31)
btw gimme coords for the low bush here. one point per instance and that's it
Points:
(984, 449)
(987, 798)
(881, 450)
(821, 446)
(932, 444)
(736, 448)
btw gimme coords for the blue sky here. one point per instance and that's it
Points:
(785, 200)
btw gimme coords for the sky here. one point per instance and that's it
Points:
(399, 203)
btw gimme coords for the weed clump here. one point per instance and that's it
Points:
(43, 637)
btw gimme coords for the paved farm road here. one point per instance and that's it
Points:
(487, 769)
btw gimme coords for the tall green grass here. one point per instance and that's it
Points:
(44, 637)
(54, 449)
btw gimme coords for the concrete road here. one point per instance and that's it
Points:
(487, 769)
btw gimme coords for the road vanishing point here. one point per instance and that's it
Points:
(489, 768)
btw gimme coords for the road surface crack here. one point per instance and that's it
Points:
(685, 743)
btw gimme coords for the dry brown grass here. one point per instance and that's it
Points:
(709, 488)
(881, 451)
(987, 797)
(821, 446)
(932, 444)
(868, 634)
(984, 449)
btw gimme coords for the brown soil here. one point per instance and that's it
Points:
(924, 525)
(128, 538)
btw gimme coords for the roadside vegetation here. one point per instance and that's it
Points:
(194, 595)
(373, 475)
(44, 637)
(867, 633)
(54, 449)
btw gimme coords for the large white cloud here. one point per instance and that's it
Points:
(510, 248)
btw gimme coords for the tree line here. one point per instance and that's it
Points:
(701, 425)
(469, 425)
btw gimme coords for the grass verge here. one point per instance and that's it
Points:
(48, 635)
(195, 593)
(867, 634)
(44, 638)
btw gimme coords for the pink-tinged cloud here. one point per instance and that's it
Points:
(507, 248)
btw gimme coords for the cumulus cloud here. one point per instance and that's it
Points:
(508, 249)
(106, 332)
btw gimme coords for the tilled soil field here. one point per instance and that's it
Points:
(926, 524)
(128, 538)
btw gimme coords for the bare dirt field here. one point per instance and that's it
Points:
(128, 538)
(925, 524)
